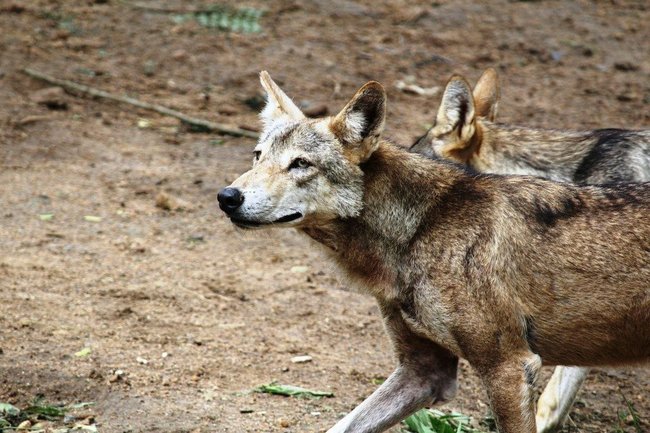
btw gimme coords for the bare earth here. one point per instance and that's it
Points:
(230, 310)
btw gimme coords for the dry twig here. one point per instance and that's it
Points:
(72, 87)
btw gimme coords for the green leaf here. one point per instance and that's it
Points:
(290, 390)
(46, 216)
(244, 20)
(83, 352)
(45, 410)
(435, 421)
(8, 409)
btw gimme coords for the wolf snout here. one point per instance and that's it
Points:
(230, 199)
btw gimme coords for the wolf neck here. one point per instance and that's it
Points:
(549, 153)
(400, 189)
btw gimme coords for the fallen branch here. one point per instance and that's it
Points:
(72, 87)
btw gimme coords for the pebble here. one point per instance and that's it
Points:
(168, 202)
(25, 425)
(116, 376)
(301, 359)
(299, 269)
(51, 97)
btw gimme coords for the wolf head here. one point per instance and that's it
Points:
(306, 172)
(454, 133)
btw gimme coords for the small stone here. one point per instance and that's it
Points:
(283, 423)
(137, 246)
(51, 97)
(140, 360)
(626, 66)
(301, 359)
(25, 425)
(149, 68)
(180, 55)
(117, 376)
(168, 202)
(299, 269)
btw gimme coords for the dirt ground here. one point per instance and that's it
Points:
(183, 314)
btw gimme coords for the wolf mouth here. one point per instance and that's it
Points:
(252, 224)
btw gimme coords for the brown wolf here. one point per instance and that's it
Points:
(465, 132)
(489, 268)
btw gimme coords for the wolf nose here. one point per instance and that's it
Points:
(230, 199)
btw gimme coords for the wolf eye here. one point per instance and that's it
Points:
(257, 154)
(299, 163)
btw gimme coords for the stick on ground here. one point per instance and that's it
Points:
(73, 88)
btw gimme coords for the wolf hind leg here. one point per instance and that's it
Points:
(510, 388)
(555, 403)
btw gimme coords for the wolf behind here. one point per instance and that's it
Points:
(465, 131)
(489, 268)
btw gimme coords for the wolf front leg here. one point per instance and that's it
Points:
(426, 374)
(510, 389)
(555, 403)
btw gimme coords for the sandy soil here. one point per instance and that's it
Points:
(194, 313)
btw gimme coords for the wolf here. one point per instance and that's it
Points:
(465, 132)
(489, 268)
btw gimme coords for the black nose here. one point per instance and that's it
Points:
(230, 199)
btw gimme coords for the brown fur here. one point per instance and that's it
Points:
(490, 268)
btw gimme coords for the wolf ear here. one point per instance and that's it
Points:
(457, 109)
(278, 104)
(456, 115)
(486, 95)
(361, 122)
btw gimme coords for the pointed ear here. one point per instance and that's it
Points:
(487, 94)
(359, 125)
(278, 104)
(456, 112)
